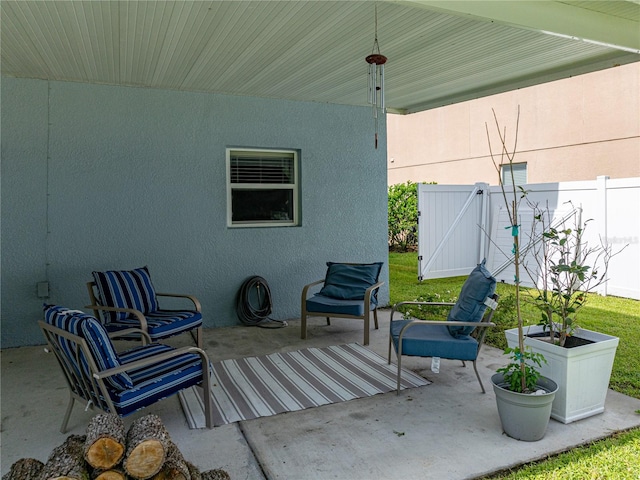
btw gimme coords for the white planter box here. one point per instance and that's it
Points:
(582, 373)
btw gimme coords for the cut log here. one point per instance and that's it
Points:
(112, 474)
(24, 469)
(215, 474)
(66, 461)
(194, 471)
(175, 467)
(104, 446)
(147, 444)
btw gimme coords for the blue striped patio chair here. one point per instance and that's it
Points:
(125, 299)
(124, 382)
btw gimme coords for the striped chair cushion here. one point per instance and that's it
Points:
(88, 327)
(157, 381)
(160, 324)
(126, 289)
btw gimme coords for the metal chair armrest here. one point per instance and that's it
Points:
(448, 323)
(307, 287)
(152, 360)
(394, 309)
(128, 331)
(192, 298)
(367, 295)
(137, 313)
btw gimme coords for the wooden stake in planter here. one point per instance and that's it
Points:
(24, 469)
(147, 445)
(104, 446)
(67, 461)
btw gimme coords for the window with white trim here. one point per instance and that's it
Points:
(519, 174)
(262, 188)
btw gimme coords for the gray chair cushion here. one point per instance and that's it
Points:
(349, 281)
(433, 341)
(470, 306)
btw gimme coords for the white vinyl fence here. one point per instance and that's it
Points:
(460, 225)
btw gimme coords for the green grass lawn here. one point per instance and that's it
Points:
(617, 457)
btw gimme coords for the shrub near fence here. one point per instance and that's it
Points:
(403, 217)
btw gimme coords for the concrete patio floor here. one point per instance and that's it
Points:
(447, 430)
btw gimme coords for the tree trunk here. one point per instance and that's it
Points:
(67, 461)
(24, 469)
(104, 447)
(147, 444)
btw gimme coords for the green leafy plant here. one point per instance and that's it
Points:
(519, 379)
(403, 216)
(568, 267)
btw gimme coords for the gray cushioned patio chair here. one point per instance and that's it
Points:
(460, 336)
(350, 290)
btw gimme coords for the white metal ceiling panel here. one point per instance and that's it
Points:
(311, 50)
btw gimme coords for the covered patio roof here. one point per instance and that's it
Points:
(440, 52)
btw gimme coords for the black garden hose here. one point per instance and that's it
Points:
(253, 304)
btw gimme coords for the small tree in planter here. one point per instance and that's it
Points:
(569, 269)
(524, 398)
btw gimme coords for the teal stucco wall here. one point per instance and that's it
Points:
(98, 177)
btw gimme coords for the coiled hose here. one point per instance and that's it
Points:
(253, 304)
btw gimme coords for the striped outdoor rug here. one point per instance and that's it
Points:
(254, 387)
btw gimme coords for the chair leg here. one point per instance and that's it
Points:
(478, 377)
(399, 372)
(375, 317)
(206, 398)
(303, 326)
(366, 329)
(67, 414)
(328, 321)
(197, 336)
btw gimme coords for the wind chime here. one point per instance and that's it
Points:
(376, 63)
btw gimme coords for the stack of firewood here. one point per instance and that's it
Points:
(108, 452)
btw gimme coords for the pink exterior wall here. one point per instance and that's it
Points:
(572, 129)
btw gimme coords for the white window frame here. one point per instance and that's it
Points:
(293, 187)
(519, 173)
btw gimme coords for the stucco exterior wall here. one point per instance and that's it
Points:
(573, 129)
(99, 177)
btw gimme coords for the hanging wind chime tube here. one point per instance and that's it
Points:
(376, 63)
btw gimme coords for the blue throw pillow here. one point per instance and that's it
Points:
(470, 306)
(126, 289)
(348, 281)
